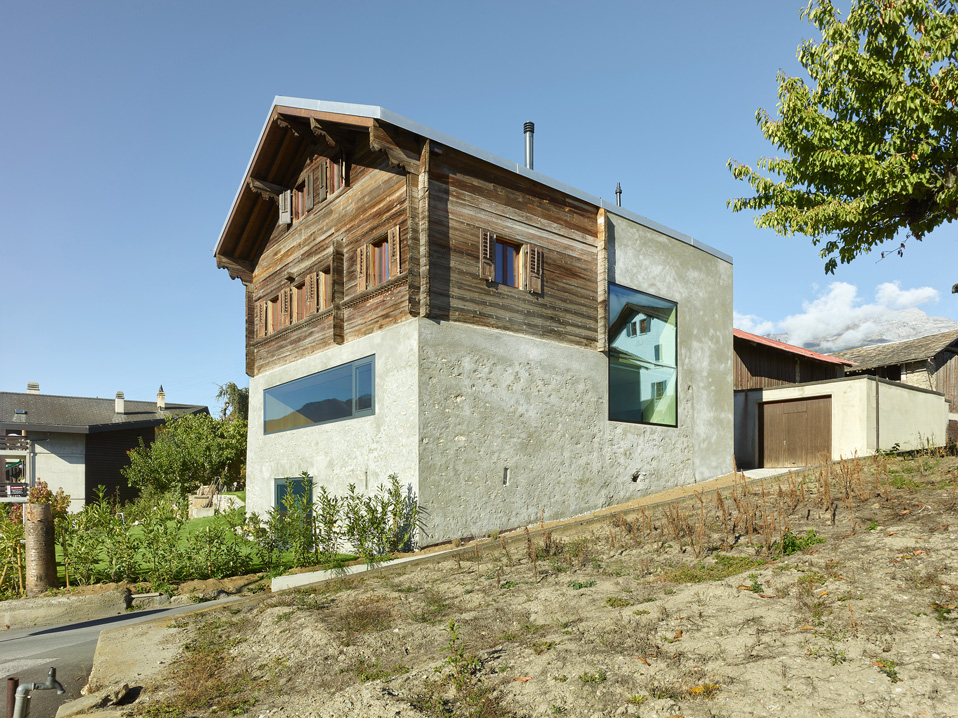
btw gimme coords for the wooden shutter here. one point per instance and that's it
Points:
(285, 207)
(261, 309)
(308, 189)
(323, 180)
(534, 270)
(311, 296)
(286, 309)
(361, 268)
(394, 252)
(487, 261)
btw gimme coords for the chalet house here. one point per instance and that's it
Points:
(506, 344)
(795, 407)
(928, 362)
(77, 443)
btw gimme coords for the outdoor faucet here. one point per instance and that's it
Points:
(21, 708)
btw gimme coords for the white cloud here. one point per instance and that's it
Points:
(890, 294)
(752, 324)
(838, 318)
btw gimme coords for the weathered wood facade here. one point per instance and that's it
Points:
(366, 181)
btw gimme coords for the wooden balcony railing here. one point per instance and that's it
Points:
(14, 443)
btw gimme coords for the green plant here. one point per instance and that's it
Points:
(617, 602)
(464, 666)
(579, 585)
(791, 543)
(755, 586)
(597, 677)
(889, 668)
(636, 699)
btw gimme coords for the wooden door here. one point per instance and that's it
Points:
(795, 433)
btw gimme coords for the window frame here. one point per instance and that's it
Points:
(378, 263)
(278, 505)
(658, 348)
(357, 365)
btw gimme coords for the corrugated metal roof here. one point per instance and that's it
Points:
(791, 349)
(48, 412)
(378, 113)
(910, 350)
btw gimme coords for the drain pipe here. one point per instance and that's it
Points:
(21, 708)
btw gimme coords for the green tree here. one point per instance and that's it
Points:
(235, 401)
(869, 139)
(190, 451)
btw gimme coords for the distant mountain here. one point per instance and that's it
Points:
(899, 326)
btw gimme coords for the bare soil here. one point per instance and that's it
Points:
(688, 609)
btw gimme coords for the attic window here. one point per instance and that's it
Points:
(20, 411)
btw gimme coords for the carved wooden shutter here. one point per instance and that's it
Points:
(534, 270)
(394, 252)
(311, 296)
(261, 310)
(323, 180)
(308, 190)
(285, 207)
(361, 268)
(487, 262)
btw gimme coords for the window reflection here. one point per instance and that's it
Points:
(643, 350)
(342, 392)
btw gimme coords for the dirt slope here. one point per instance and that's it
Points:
(691, 609)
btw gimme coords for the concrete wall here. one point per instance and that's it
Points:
(493, 402)
(60, 461)
(906, 416)
(362, 451)
(702, 445)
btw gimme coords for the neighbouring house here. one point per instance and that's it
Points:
(929, 362)
(795, 407)
(509, 346)
(77, 443)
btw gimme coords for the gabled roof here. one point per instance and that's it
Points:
(82, 415)
(278, 150)
(791, 349)
(910, 350)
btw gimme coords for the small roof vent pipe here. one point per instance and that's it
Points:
(529, 128)
(33, 387)
(618, 194)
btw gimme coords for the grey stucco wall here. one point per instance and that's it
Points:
(701, 446)
(363, 451)
(491, 400)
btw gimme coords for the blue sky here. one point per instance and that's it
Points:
(126, 128)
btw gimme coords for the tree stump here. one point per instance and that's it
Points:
(40, 548)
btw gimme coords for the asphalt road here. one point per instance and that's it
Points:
(29, 653)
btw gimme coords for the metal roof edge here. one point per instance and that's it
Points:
(378, 113)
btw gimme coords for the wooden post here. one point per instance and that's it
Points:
(12, 684)
(41, 553)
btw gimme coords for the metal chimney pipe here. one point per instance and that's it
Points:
(33, 387)
(161, 399)
(529, 128)
(119, 403)
(618, 194)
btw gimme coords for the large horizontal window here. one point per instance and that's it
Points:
(643, 346)
(342, 392)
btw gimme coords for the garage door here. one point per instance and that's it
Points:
(795, 433)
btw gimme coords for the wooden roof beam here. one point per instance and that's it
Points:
(380, 141)
(237, 268)
(267, 190)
